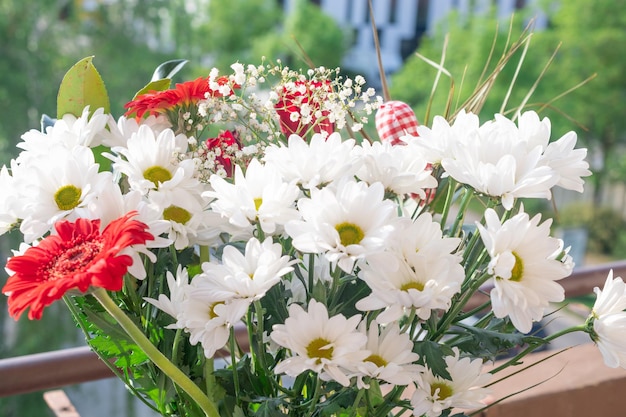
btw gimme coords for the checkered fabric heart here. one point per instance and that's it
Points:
(395, 119)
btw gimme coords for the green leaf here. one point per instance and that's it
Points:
(158, 85)
(82, 86)
(168, 69)
(433, 354)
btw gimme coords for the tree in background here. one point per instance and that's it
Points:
(309, 37)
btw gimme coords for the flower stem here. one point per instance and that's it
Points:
(175, 374)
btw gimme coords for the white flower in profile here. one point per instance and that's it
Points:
(391, 356)
(436, 142)
(419, 271)
(261, 196)
(525, 265)
(609, 321)
(401, 169)
(250, 274)
(313, 164)
(149, 162)
(173, 305)
(118, 132)
(346, 222)
(69, 131)
(498, 160)
(329, 346)
(59, 185)
(8, 201)
(464, 390)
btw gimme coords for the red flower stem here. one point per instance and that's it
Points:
(160, 360)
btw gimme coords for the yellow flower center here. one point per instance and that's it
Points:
(157, 175)
(412, 284)
(212, 313)
(257, 203)
(349, 233)
(67, 197)
(518, 269)
(176, 214)
(376, 360)
(445, 390)
(318, 348)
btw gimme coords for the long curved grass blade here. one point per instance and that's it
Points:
(381, 69)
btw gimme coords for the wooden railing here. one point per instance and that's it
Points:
(45, 371)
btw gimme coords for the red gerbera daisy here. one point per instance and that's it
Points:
(183, 95)
(76, 258)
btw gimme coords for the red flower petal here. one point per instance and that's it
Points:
(76, 258)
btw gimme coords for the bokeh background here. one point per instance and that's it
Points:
(575, 67)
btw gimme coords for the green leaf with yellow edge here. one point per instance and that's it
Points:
(82, 86)
(158, 85)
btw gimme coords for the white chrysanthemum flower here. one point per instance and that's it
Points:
(313, 164)
(609, 321)
(330, 346)
(464, 390)
(260, 196)
(173, 305)
(251, 274)
(69, 132)
(8, 201)
(524, 266)
(60, 185)
(437, 141)
(419, 271)
(391, 356)
(189, 222)
(568, 162)
(346, 222)
(118, 132)
(149, 162)
(401, 169)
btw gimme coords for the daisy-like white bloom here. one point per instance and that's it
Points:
(321, 161)
(59, 185)
(330, 346)
(609, 321)
(119, 131)
(497, 158)
(206, 315)
(251, 274)
(149, 162)
(419, 271)
(69, 131)
(391, 357)
(8, 201)
(525, 265)
(465, 389)
(77, 257)
(261, 196)
(401, 169)
(346, 222)
(189, 221)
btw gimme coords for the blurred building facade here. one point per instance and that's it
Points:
(401, 24)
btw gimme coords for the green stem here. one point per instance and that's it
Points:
(233, 358)
(316, 395)
(533, 346)
(460, 217)
(175, 374)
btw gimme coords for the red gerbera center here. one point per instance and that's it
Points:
(77, 257)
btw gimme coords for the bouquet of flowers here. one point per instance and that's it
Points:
(240, 245)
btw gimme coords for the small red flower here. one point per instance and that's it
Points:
(76, 258)
(183, 95)
(226, 141)
(291, 100)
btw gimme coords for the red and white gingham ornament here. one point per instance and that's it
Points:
(395, 119)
